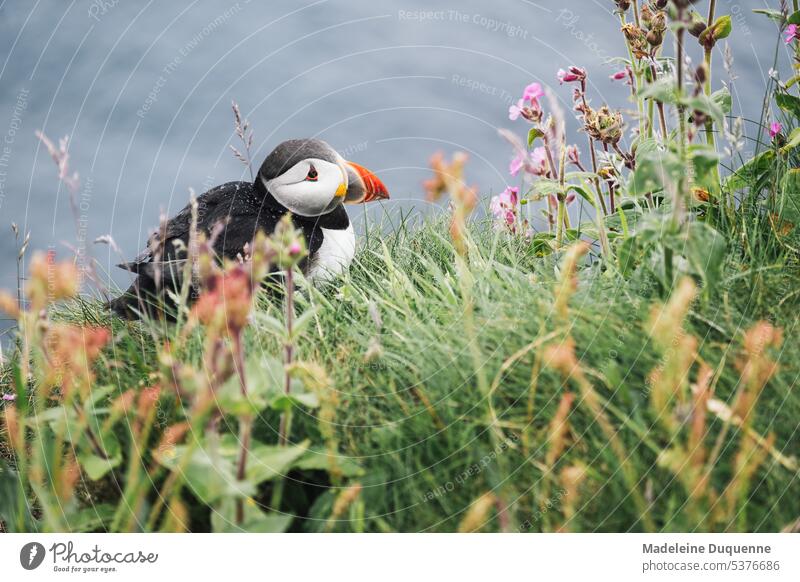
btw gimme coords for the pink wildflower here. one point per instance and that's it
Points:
(791, 33)
(533, 92)
(571, 75)
(528, 107)
(516, 165)
(504, 207)
(574, 155)
(538, 161)
(775, 128)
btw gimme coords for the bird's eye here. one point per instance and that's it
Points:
(312, 174)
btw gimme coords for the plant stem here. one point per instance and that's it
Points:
(283, 430)
(245, 424)
(285, 425)
(710, 138)
(681, 185)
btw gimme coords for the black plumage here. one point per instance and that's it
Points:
(241, 209)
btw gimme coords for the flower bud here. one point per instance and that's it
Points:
(604, 125)
(697, 25)
(655, 38)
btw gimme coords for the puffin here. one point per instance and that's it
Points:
(306, 178)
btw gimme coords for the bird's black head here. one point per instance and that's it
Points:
(310, 178)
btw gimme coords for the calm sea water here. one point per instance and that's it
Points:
(144, 90)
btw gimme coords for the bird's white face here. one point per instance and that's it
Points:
(311, 187)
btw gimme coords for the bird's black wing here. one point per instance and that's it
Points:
(167, 246)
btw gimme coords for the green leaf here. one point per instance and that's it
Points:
(284, 402)
(751, 172)
(265, 462)
(790, 200)
(663, 91)
(95, 466)
(12, 498)
(794, 18)
(570, 176)
(792, 142)
(542, 187)
(705, 249)
(789, 103)
(223, 519)
(654, 171)
(209, 473)
(264, 377)
(92, 519)
(707, 105)
(722, 99)
(581, 191)
(533, 135)
(775, 15)
(705, 161)
(321, 460)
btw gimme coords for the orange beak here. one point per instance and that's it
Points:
(373, 187)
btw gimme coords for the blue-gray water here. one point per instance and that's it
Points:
(144, 90)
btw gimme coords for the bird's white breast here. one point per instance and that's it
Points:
(334, 255)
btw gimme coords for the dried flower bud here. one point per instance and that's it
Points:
(637, 40)
(604, 125)
(697, 25)
(659, 22)
(69, 476)
(50, 281)
(646, 15)
(623, 5)
(9, 305)
(226, 301)
(11, 419)
(655, 38)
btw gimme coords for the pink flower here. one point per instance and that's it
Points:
(528, 107)
(295, 249)
(538, 161)
(516, 165)
(775, 128)
(791, 33)
(534, 163)
(9, 397)
(515, 110)
(571, 75)
(574, 155)
(504, 207)
(532, 93)
(626, 74)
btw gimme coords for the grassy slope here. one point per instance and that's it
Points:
(414, 417)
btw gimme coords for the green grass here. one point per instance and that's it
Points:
(393, 337)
